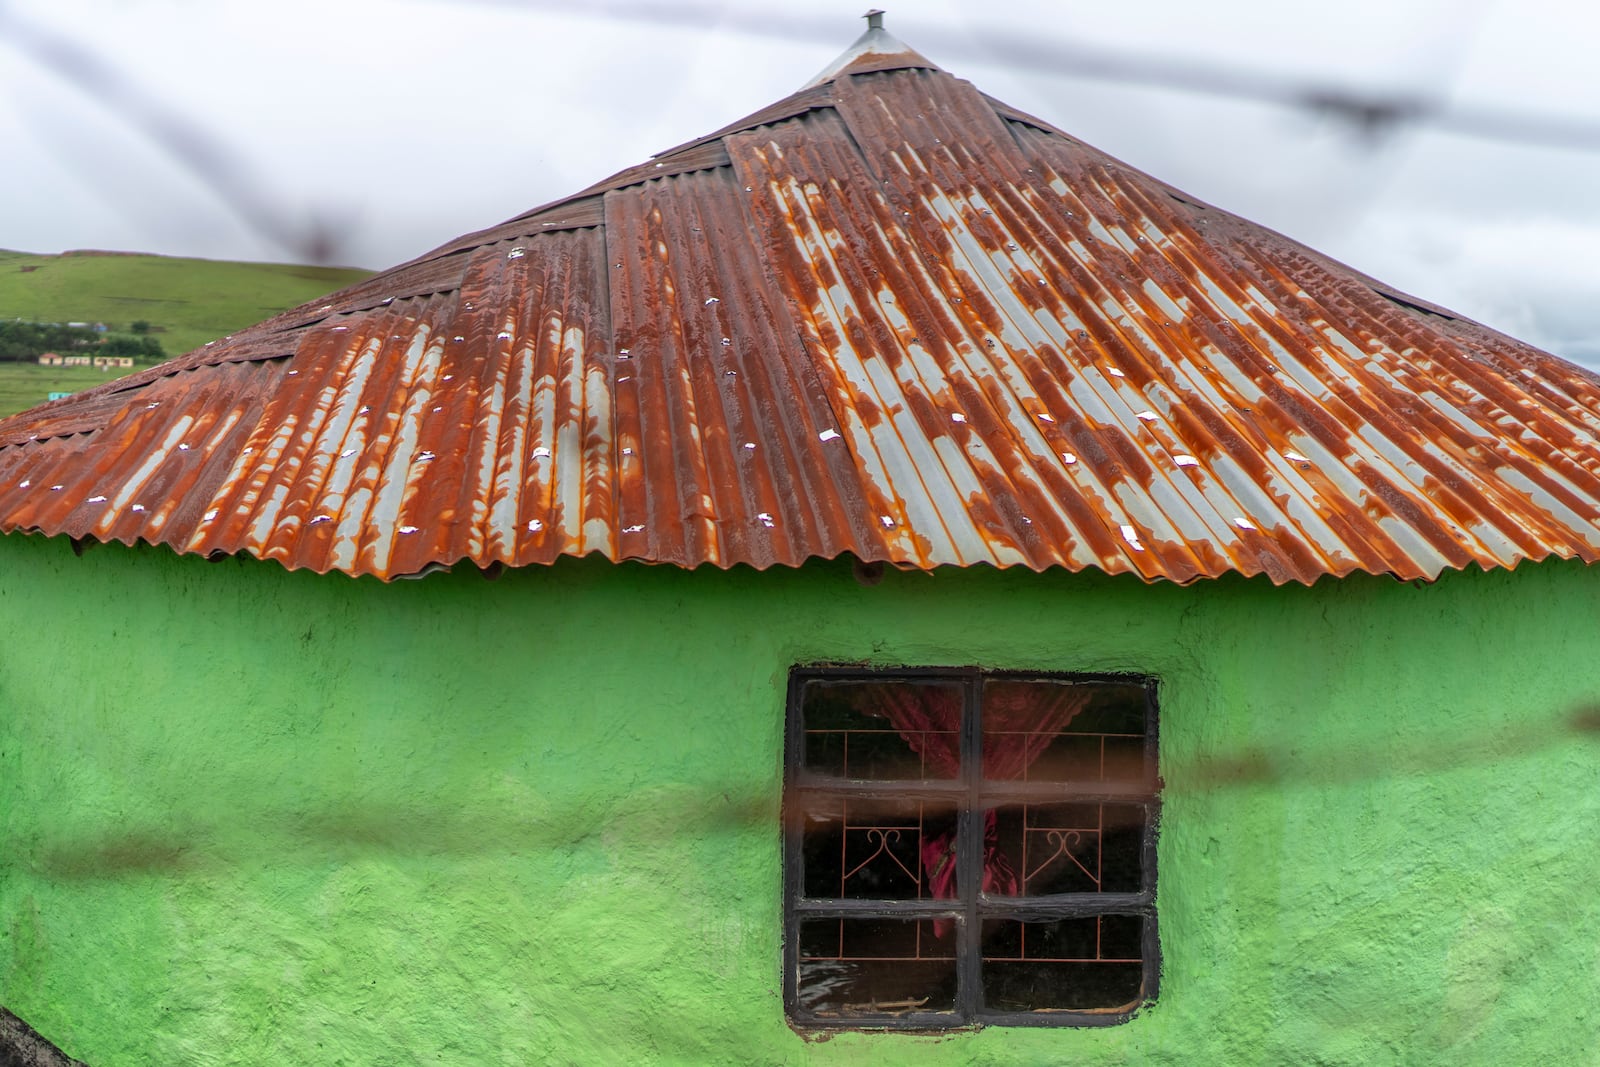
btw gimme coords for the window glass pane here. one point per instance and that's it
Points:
(874, 730)
(878, 849)
(1044, 731)
(1088, 964)
(1064, 789)
(851, 967)
(1066, 848)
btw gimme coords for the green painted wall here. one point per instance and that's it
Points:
(255, 817)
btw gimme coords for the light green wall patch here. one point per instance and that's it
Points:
(249, 816)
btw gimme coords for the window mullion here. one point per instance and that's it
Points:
(879, 951)
(969, 855)
(794, 855)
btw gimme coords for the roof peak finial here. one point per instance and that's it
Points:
(875, 49)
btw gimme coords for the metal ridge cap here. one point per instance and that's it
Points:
(874, 46)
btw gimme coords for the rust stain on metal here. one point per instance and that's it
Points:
(888, 317)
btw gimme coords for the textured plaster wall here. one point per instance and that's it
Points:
(255, 817)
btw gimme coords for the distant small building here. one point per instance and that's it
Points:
(50, 359)
(113, 361)
(76, 361)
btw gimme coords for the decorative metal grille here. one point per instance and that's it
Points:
(967, 846)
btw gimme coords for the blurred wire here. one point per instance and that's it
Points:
(186, 142)
(1373, 114)
(206, 156)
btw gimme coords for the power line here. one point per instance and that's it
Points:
(190, 144)
(207, 156)
(1372, 113)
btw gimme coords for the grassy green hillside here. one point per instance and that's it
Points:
(186, 301)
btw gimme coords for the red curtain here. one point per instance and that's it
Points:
(1020, 720)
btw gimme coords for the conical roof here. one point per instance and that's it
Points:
(886, 316)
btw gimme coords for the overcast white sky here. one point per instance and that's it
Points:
(403, 123)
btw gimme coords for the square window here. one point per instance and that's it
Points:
(969, 847)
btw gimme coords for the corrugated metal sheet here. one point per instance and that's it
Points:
(888, 317)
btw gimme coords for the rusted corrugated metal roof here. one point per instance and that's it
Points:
(887, 316)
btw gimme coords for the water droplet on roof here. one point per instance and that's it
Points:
(97, 500)
(958, 417)
(1186, 461)
(517, 253)
(1244, 523)
(408, 529)
(320, 519)
(1130, 535)
(541, 452)
(633, 529)
(534, 525)
(827, 435)
(423, 457)
(1147, 416)
(347, 453)
(1046, 417)
(766, 520)
(750, 445)
(504, 335)
(1068, 457)
(713, 300)
(210, 515)
(1115, 373)
(24, 484)
(888, 521)
(726, 341)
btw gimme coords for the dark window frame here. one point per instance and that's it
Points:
(968, 908)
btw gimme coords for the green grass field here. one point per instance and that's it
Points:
(187, 302)
(23, 385)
